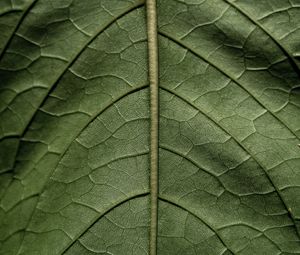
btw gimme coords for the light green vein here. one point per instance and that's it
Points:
(153, 79)
(76, 135)
(136, 6)
(25, 12)
(78, 54)
(169, 201)
(95, 220)
(185, 46)
(258, 24)
(269, 177)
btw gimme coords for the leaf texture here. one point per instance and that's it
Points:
(76, 118)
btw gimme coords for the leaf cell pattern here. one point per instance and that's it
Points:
(75, 127)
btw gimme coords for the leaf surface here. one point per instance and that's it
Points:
(75, 129)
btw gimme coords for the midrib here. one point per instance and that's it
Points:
(153, 79)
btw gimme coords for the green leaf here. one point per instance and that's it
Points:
(78, 127)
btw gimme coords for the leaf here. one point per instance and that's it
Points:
(78, 127)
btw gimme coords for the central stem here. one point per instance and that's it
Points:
(153, 79)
